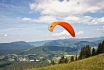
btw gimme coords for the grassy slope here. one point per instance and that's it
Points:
(92, 63)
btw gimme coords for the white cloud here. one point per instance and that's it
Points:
(14, 29)
(5, 35)
(84, 19)
(55, 7)
(79, 19)
(72, 18)
(41, 19)
(98, 20)
(45, 19)
(26, 19)
(63, 33)
(80, 33)
(71, 11)
(61, 37)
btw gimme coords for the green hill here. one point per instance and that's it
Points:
(92, 63)
(48, 52)
(14, 47)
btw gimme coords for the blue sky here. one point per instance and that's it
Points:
(28, 20)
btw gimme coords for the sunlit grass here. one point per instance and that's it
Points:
(92, 63)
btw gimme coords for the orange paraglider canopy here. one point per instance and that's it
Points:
(65, 25)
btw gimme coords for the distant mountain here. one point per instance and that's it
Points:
(84, 43)
(14, 47)
(59, 46)
(38, 43)
(75, 42)
(65, 42)
(49, 48)
(55, 47)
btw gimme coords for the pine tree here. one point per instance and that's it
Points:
(76, 58)
(87, 51)
(93, 52)
(103, 47)
(81, 53)
(72, 58)
(99, 50)
(66, 60)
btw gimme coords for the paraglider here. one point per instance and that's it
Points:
(65, 25)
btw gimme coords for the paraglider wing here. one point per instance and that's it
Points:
(65, 25)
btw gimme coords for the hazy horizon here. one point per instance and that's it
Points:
(50, 39)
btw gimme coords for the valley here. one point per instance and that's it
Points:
(27, 53)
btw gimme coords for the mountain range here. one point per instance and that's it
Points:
(49, 47)
(14, 47)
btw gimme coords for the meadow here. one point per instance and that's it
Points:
(91, 63)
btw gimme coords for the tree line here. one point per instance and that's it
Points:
(85, 52)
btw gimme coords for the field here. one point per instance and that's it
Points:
(92, 63)
(20, 65)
